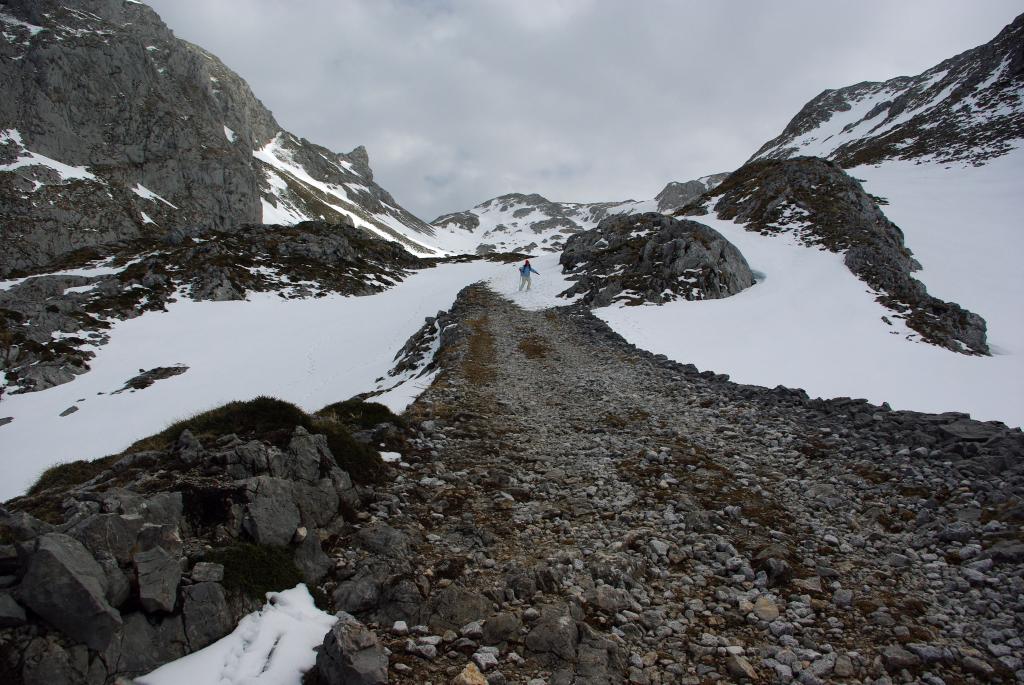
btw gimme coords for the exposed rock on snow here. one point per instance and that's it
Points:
(54, 320)
(824, 207)
(652, 258)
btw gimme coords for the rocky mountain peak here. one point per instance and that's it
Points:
(967, 108)
(112, 129)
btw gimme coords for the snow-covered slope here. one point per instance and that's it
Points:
(311, 352)
(529, 223)
(810, 323)
(968, 108)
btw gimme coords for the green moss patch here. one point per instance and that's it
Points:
(274, 421)
(359, 415)
(255, 570)
(70, 474)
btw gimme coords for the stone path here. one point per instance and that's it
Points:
(578, 511)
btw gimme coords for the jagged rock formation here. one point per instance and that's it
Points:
(966, 109)
(825, 207)
(652, 258)
(113, 129)
(679, 194)
(527, 223)
(48, 323)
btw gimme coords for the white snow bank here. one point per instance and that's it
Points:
(273, 646)
(229, 134)
(810, 323)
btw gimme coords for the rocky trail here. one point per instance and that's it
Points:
(579, 511)
(567, 509)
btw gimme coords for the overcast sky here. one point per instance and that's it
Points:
(459, 101)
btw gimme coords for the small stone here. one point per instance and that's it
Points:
(896, 658)
(474, 630)
(470, 675)
(485, 660)
(739, 667)
(765, 609)
(400, 628)
(843, 667)
(977, 667)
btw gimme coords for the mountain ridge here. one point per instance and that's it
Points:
(181, 141)
(967, 108)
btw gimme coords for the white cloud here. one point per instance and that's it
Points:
(461, 100)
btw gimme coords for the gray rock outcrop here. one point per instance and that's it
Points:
(351, 655)
(825, 207)
(652, 258)
(64, 584)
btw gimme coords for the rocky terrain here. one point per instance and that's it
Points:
(965, 109)
(113, 129)
(525, 223)
(50, 324)
(652, 258)
(824, 207)
(667, 526)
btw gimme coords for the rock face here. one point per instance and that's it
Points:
(825, 207)
(529, 223)
(967, 108)
(113, 129)
(652, 258)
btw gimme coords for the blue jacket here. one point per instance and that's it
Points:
(525, 270)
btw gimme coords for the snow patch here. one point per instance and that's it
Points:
(147, 194)
(273, 646)
(229, 134)
(27, 158)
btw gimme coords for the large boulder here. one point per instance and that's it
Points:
(65, 585)
(206, 613)
(652, 258)
(351, 655)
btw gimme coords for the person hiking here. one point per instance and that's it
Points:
(524, 275)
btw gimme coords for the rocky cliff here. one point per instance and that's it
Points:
(967, 108)
(113, 129)
(825, 207)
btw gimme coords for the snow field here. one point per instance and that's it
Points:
(810, 323)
